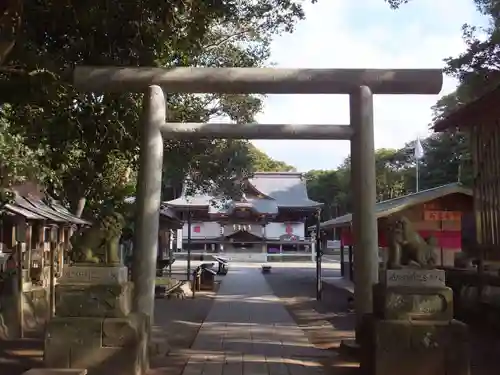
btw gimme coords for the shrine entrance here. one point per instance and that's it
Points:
(359, 84)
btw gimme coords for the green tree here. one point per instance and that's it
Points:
(261, 162)
(390, 166)
(91, 141)
(325, 187)
(447, 159)
(333, 187)
(18, 162)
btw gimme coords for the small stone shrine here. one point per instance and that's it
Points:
(93, 327)
(412, 330)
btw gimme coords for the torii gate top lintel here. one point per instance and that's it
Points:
(258, 80)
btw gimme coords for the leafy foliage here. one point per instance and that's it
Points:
(17, 162)
(446, 160)
(261, 162)
(394, 4)
(89, 141)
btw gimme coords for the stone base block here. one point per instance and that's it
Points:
(412, 277)
(396, 347)
(94, 300)
(94, 274)
(101, 345)
(415, 303)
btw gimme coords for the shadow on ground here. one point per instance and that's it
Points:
(18, 356)
(181, 320)
(312, 316)
(327, 322)
(250, 331)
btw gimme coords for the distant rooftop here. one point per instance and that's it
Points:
(275, 190)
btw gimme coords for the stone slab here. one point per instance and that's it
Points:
(101, 345)
(413, 303)
(84, 274)
(414, 348)
(414, 278)
(93, 300)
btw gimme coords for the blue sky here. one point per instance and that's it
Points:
(364, 34)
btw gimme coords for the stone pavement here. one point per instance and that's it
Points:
(248, 331)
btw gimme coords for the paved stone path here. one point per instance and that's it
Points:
(249, 332)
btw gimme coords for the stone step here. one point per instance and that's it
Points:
(55, 371)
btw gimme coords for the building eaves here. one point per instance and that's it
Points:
(395, 205)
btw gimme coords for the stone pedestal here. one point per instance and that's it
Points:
(412, 330)
(93, 327)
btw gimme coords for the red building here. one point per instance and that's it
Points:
(444, 212)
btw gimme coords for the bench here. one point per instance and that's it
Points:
(162, 291)
(223, 265)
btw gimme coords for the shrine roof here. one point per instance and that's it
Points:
(276, 190)
(33, 208)
(482, 110)
(395, 205)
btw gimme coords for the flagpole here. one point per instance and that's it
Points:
(418, 153)
(416, 169)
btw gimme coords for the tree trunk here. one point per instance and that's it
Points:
(10, 22)
(80, 206)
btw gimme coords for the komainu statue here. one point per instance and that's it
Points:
(407, 249)
(99, 244)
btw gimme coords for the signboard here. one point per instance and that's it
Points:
(415, 278)
(442, 215)
(179, 239)
(432, 206)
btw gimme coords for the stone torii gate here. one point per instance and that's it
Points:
(359, 84)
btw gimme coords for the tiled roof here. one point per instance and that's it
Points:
(35, 209)
(278, 190)
(392, 206)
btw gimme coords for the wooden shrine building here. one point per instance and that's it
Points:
(34, 234)
(267, 223)
(442, 212)
(481, 120)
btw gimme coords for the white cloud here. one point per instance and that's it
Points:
(363, 34)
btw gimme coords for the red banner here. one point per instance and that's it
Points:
(442, 215)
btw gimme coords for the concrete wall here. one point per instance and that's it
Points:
(211, 229)
(199, 230)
